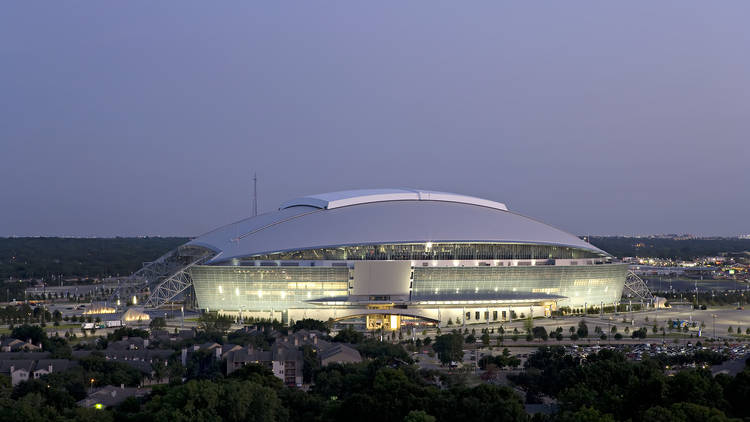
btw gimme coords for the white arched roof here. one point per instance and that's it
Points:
(346, 198)
(379, 216)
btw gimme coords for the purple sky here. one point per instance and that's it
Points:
(150, 117)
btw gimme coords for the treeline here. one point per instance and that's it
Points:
(45, 257)
(607, 387)
(669, 248)
(370, 391)
(387, 387)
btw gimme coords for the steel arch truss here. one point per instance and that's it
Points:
(636, 287)
(149, 273)
(169, 288)
(176, 283)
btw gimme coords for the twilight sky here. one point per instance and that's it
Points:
(141, 117)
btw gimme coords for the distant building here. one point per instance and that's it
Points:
(16, 345)
(283, 360)
(21, 370)
(339, 353)
(215, 349)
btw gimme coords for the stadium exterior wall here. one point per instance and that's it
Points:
(439, 293)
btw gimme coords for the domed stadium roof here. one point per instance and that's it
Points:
(382, 216)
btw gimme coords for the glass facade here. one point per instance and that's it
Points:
(280, 288)
(432, 251)
(266, 288)
(590, 284)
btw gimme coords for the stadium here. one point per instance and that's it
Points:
(390, 257)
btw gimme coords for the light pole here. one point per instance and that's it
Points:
(714, 317)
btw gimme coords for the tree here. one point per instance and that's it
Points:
(539, 332)
(212, 322)
(158, 323)
(484, 403)
(485, 339)
(229, 400)
(449, 347)
(583, 329)
(349, 335)
(310, 324)
(419, 416)
(585, 414)
(30, 333)
(640, 333)
(311, 363)
(528, 324)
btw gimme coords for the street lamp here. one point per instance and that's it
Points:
(714, 317)
(91, 388)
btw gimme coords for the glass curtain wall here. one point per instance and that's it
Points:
(434, 251)
(589, 283)
(266, 288)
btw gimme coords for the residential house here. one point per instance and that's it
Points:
(339, 353)
(16, 345)
(20, 370)
(284, 360)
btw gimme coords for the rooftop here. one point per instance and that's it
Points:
(345, 198)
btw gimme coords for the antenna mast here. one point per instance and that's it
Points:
(255, 194)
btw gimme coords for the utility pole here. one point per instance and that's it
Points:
(255, 194)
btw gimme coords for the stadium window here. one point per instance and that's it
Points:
(468, 316)
(505, 315)
(486, 315)
(476, 316)
(494, 315)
